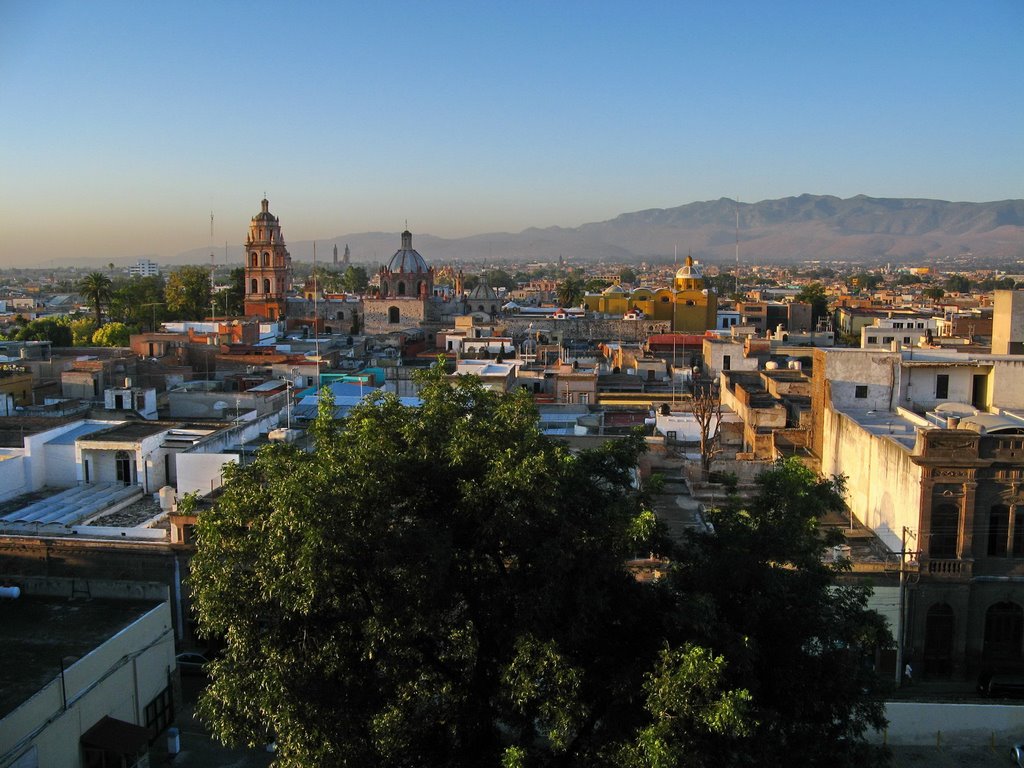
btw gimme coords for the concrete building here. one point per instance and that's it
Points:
(932, 446)
(144, 268)
(94, 688)
(1008, 323)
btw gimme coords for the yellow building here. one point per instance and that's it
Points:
(687, 304)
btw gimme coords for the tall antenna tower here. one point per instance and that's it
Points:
(213, 269)
(316, 318)
(737, 244)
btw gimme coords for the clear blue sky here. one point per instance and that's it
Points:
(123, 124)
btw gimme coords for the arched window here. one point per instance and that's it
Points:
(254, 260)
(340, 316)
(400, 291)
(266, 259)
(393, 315)
(1004, 630)
(938, 639)
(254, 285)
(419, 287)
(945, 533)
(998, 530)
(266, 285)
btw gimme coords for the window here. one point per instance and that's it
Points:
(945, 531)
(906, 339)
(400, 290)
(254, 286)
(998, 529)
(160, 712)
(942, 386)
(861, 391)
(887, 339)
(254, 260)
(266, 285)
(393, 315)
(726, 362)
(266, 259)
(897, 325)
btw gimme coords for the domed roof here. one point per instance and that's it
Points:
(483, 292)
(407, 258)
(265, 214)
(613, 289)
(690, 271)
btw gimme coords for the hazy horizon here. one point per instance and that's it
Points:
(129, 123)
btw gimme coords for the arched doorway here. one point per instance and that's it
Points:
(1004, 632)
(938, 640)
(393, 315)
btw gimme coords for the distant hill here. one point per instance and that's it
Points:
(789, 229)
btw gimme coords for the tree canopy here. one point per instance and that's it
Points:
(814, 294)
(445, 586)
(187, 293)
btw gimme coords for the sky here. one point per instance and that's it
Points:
(124, 125)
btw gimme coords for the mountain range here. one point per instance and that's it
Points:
(791, 229)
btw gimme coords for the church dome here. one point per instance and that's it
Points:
(265, 214)
(407, 259)
(690, 271)
(483, 292)
(613, 289)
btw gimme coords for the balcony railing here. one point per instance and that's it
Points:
(949, 569)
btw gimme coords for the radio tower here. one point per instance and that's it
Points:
(737, 244)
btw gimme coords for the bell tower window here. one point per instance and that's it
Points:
(266, 285)
(266, 259)
(254, 260)
(254, 286)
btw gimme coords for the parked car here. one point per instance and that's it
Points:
(192, 663)
(1004, 684)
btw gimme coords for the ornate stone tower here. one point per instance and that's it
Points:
(268, 267)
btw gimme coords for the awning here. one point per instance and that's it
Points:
(118, 736)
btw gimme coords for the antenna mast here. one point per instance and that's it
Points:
(316, 318)
(737, 244)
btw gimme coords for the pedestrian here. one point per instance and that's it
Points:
(908, 673)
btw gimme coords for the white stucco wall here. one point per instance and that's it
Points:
(883, 485)
(13, 475)
(61, 466)
(201, 472)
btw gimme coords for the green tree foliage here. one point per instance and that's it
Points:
(234, 296)
(570, 291)
(187, 293)
(794, 638)
(814, 294)
(627, 276)
(82, 329)
(499, 278)
(933, 292)
(595, 285)
(866, 281)
(46, 329)
(958, 284)
(428, 587)
(112, 335)
(97, 289)
(138, 302)
(355, 280)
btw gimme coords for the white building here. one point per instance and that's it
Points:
(144, 268)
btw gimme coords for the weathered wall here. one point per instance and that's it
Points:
(937, 724)
(883, 484)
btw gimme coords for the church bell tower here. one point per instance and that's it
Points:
(268, 267)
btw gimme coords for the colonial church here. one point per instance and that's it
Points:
(403, 295)
(687, 304)
(268, 267)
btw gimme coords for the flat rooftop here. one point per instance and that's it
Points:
(127, 433)
(37, 632)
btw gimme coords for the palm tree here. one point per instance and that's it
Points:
(96, 287)
(570, 291)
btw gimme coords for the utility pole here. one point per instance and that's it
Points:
(901, 628)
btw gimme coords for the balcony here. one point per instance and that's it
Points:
(949, 569)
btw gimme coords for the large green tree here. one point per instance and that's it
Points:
(97, 289)
(138, 302)
(444, 586)
(800, 642)
(187, 293)
(570, 291)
